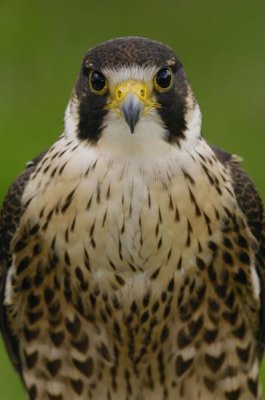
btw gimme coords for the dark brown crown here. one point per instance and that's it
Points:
(125, 51)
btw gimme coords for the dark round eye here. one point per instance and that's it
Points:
(163, 78)
(98, 81)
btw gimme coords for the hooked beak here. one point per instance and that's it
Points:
(131, 109)
(132, 99)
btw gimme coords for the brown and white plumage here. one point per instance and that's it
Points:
(132, 264)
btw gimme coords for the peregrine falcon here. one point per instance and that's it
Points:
(132, 252)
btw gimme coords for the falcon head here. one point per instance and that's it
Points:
(130, 89)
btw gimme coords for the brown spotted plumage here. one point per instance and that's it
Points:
(132, 252)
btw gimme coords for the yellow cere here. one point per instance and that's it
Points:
(136, 88)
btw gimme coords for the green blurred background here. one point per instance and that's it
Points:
(222, 46)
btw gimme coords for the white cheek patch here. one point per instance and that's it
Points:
(193, 119)
(71, 118)
(255, 282)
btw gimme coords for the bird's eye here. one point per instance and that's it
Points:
(163, 79)
(98, 82)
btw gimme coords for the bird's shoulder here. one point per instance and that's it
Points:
(10, 215)
(246, 194)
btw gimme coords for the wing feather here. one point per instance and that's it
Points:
(251, 205)
(10, 215)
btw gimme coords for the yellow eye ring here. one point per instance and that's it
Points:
(98, 82)
(163, 80)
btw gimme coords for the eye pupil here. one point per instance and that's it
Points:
(163, 78)
(98, 81)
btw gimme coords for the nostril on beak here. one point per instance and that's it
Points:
(142, 93)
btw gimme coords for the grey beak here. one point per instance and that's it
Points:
(131, 109)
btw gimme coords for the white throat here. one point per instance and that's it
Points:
(149, 135)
